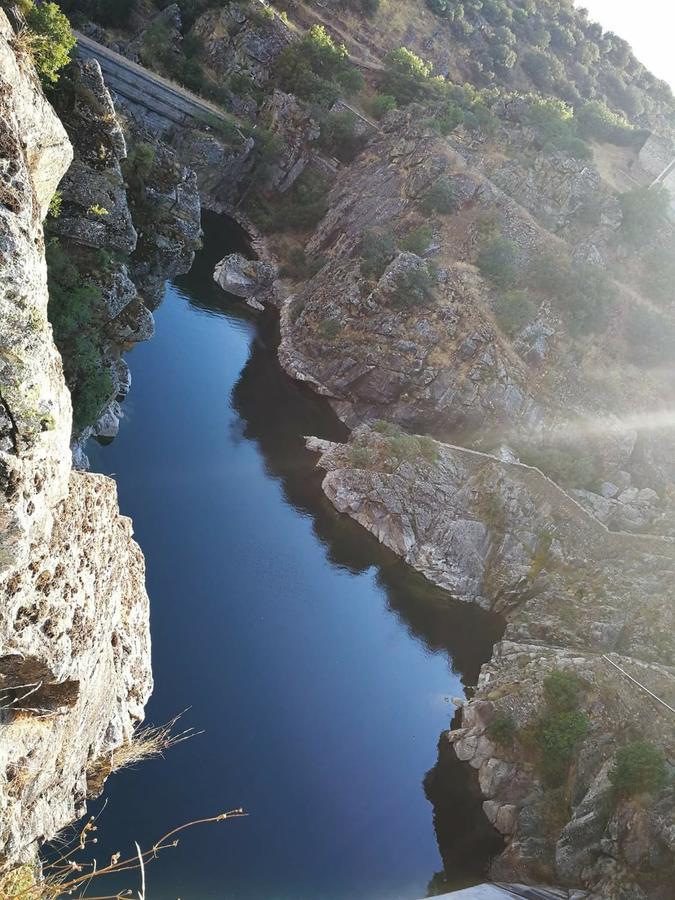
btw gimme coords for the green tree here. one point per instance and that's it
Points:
(497, 261)
(382, 104)
(51, 39)
(644, 213)
(376, 251)
(638, 768)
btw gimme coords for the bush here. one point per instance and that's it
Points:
(72, 303)
(301, 267)
(411, 448)
(596, 120)
(565, 467)
(377, 250)
(330, 328)
(440, 198)
(497, 261)
(644, 213)
(638, 768)
(414, 287)
(650, 336)
(502, 729)
(562, 691)
(304, 205)
(659, 274)
(51, 40)
(513, 310)
(360, 457)
(418, 240)
(405, 75)
(317, 70)
(560, 735)
(339, 135)
(382, 104)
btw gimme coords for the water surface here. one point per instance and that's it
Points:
(319, 666)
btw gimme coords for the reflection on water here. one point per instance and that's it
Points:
(319, 665)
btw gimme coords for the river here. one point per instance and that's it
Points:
(319, 666)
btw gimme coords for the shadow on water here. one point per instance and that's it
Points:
(318, 663)
(276, 414)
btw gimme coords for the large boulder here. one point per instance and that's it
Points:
(247, 278)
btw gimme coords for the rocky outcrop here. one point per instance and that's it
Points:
(242, 40)
(74, 638)
(503, 535)
(248, 278)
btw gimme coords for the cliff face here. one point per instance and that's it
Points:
(74, 637)
(502, 535)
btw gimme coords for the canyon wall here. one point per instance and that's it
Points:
(74, 628)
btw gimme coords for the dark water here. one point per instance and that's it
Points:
(320, 667)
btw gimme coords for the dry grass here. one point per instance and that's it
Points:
(149, 742)
(65, 876)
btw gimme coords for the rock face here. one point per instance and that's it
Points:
(242, 40)
(94, 210)
(74, 638)
(249, 278)
(503, 535)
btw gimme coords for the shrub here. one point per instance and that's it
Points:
(339, 135)
(405, 75)
(55, 204)
(560, 735)
(377, 250)
(414, 287)
(497, 261)
(502, 729)
(330, 328)
(51, 39)
(441, 198)
(316, 69)
(562, 691)
(596, 120)
(650, 335)
(411, 448)
(382, 104)
(638, 768)
(301, 267)
(360, 457)
(417, 240)
(304, 205)
(644, 213)
(565, 467)
(659, 274)
(513, 310)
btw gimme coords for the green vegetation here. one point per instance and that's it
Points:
(497, 260)
(417, 240)
(413, 287)
(585, 293)
(55, 204)
(50, 39)
(376, 250)
(556, 125)
(502, 729)
(402, 447)
(405, 75)
(382, 104)
(440, 198)
(513, 310)
(107, 12)
(330, 328)
(301, 267)
(71, 311)
(339, 135)
(569, 468)
(316, 69)
(638, 768)
(561, 728)
(299, 209)
(644, 213)
(650, 336)
(659, 274)
(360, 457)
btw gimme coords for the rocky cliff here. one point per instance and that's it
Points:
(74, 637)
(577, 599)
